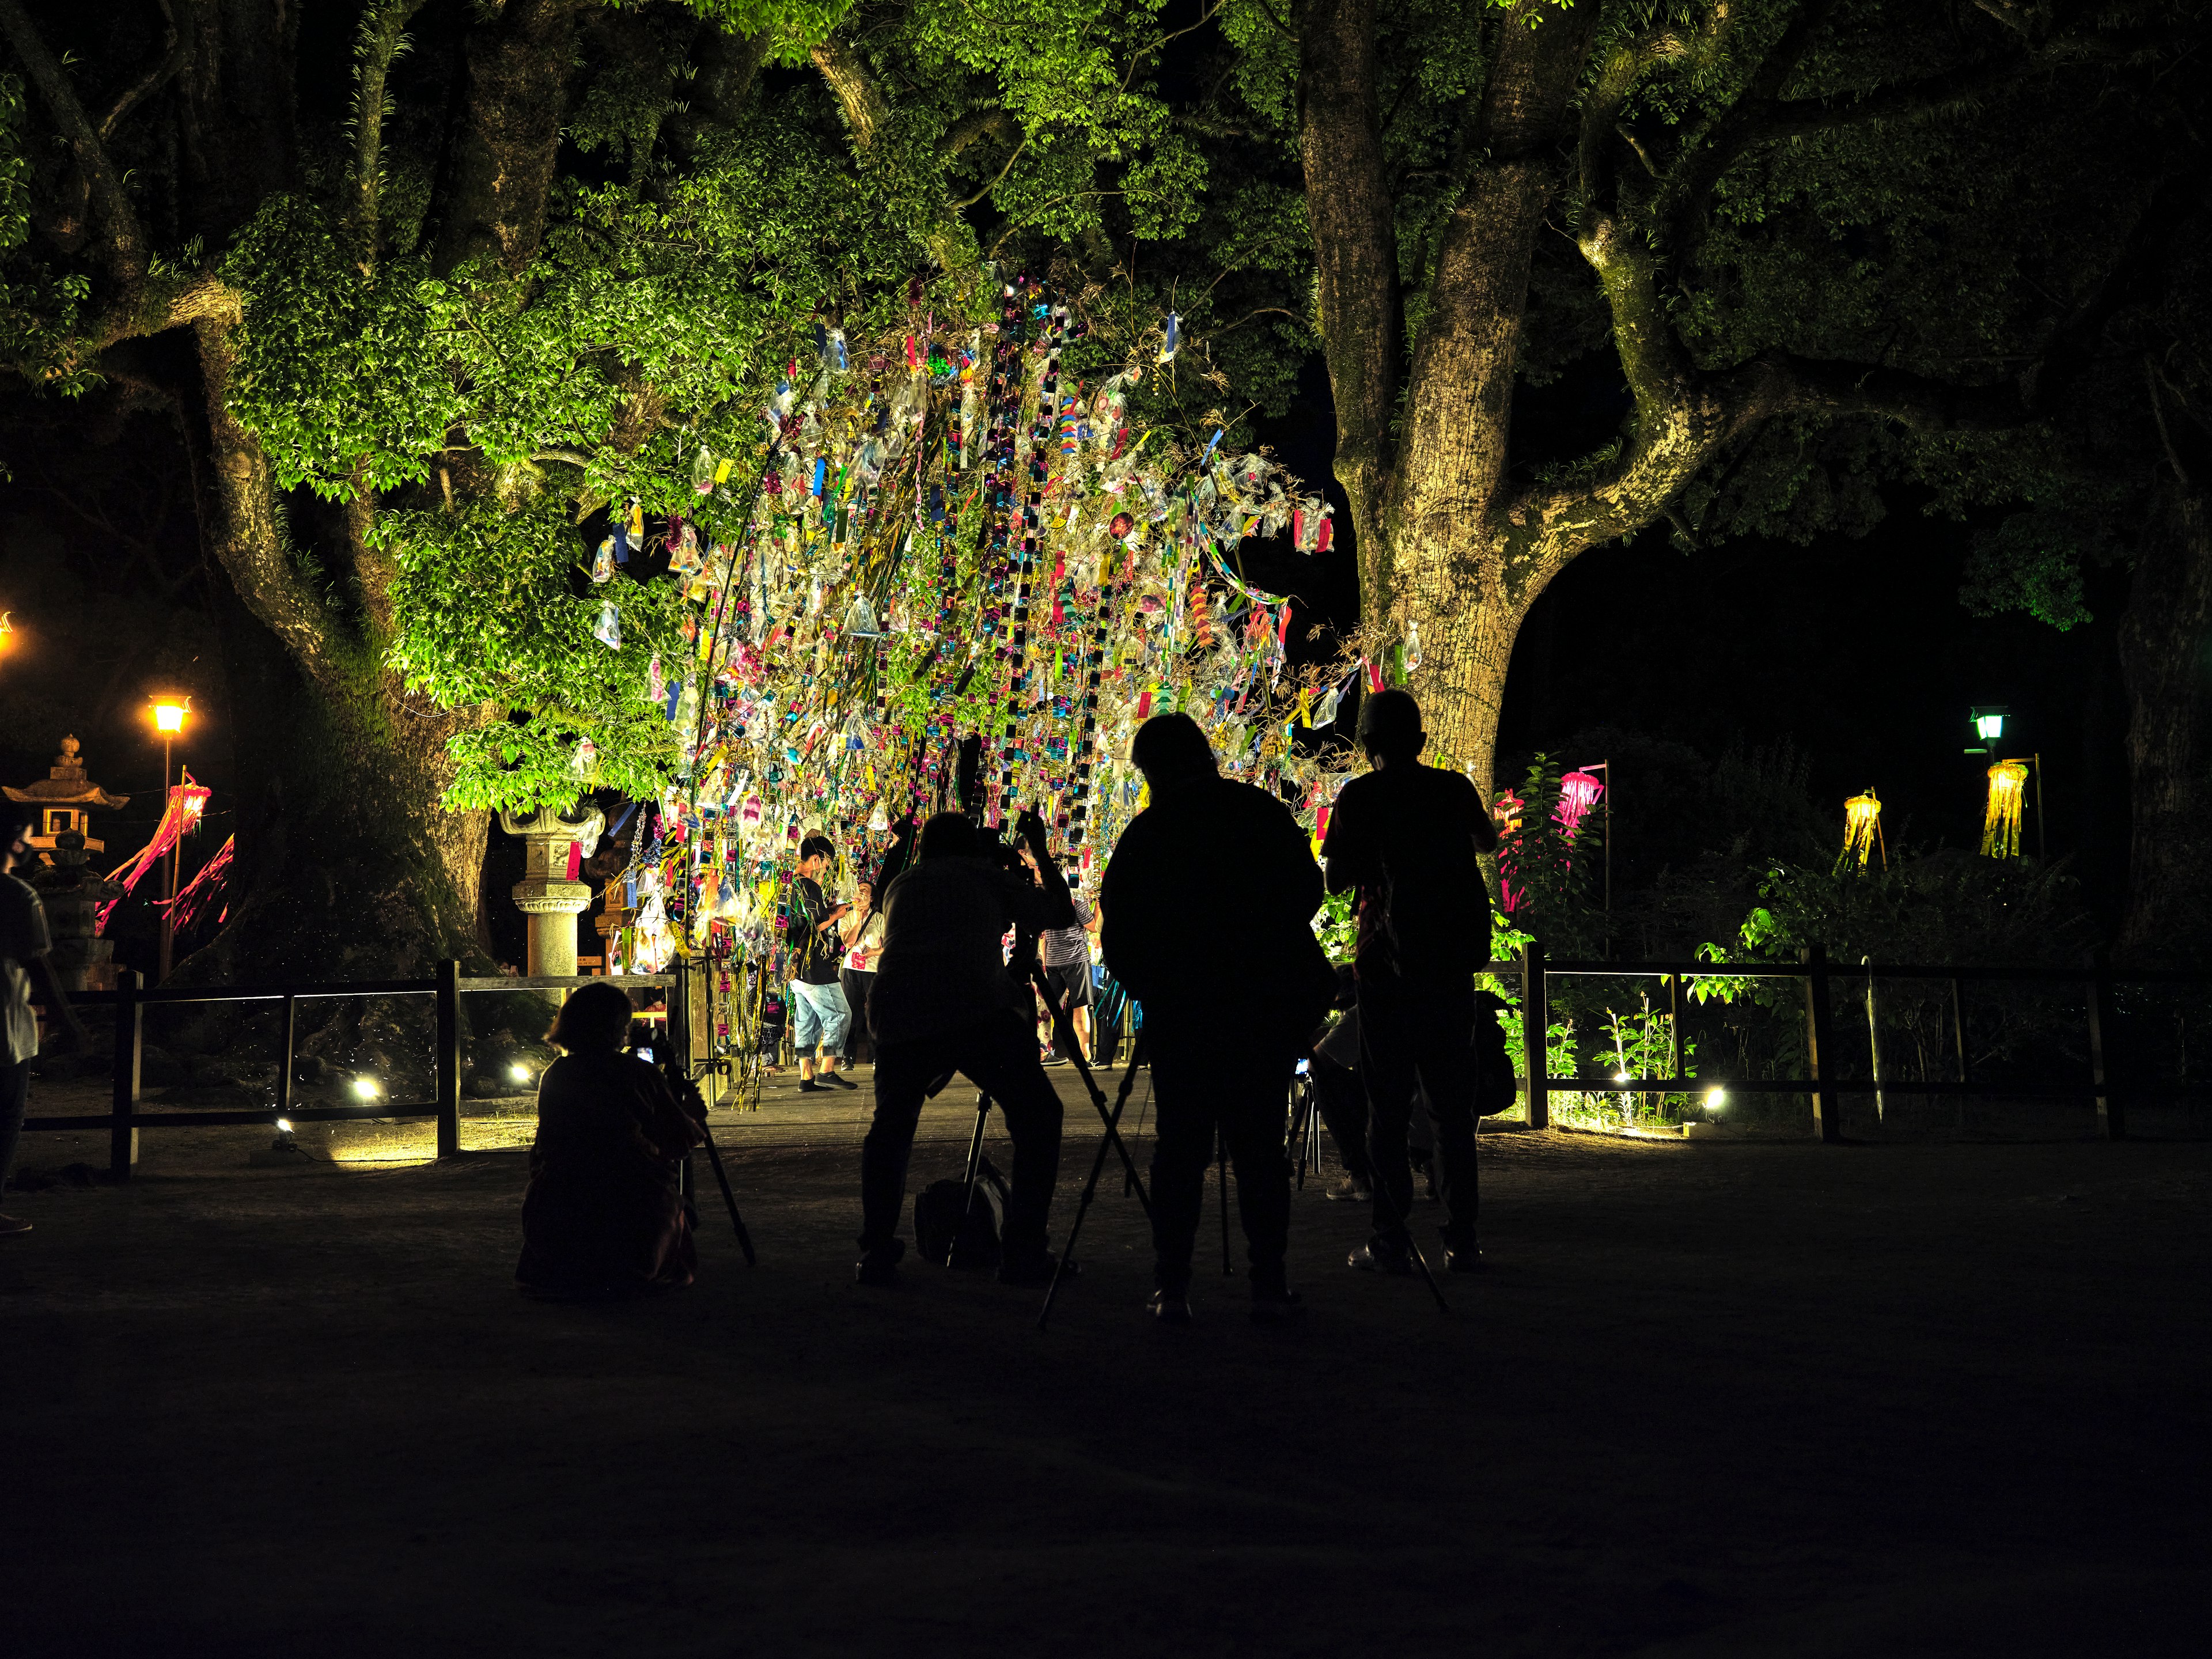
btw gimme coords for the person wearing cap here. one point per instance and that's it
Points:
(1223, 1046)
(23, 946)
(1409, 839)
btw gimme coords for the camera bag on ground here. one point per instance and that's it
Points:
(952, 1232)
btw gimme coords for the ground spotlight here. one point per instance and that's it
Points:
(366, 1088)
(1715, 1099)
(518, 1071)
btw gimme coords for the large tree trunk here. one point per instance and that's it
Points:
(2164, 642)
(353, 868)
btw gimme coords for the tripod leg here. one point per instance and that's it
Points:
(1406, 1227)
(1082, 1208)
(744, 1238)
(1063, 1029)
(975, 1172)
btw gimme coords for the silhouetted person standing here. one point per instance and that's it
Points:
(1205, 854)
(943, 1001)
(1408, 838)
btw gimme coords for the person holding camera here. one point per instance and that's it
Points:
(945, 1001)
(1409, 839)
(1223, 1046)
(819, 1011)
(603, 1215)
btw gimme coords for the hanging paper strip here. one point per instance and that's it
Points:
(180, 818)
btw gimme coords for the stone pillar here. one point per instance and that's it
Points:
(545, 894)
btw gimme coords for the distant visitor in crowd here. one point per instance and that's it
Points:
(862, 931)
(819, 1013)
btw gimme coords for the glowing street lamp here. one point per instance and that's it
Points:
(1989, 725)
(169, 715)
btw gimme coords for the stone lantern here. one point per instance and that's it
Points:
(67, 885)
(545, 894)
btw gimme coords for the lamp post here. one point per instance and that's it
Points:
(1988, 721)
(169, 720)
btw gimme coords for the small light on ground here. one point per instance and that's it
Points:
(1621, 1076)
(520, 1073)
(365, 1087)
(1715, 1099)
(283, 1126)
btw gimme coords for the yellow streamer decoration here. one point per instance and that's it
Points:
(1863, 831)
(2001, 822)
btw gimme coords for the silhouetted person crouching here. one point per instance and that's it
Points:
(943, 1001)
(1207, 858)
(1408, 838)
(603, 1215)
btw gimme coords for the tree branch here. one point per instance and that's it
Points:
(382, 40)
(973, 125)
(172, 59)
(962, 205)
(1349, 207)
(1709, 152)
(126, 242)
(241, 522)
(867, 117)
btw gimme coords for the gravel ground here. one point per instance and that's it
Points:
(1710, 1399)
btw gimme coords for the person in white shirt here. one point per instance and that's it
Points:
(23, 946)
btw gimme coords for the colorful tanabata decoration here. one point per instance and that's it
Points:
(948, 567)
(1578, 793)
(181, 817)
(1862, 829)
(2000, 819)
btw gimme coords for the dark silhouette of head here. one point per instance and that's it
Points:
(1390, 725)
(594, 1017)
(1170, 749)
(816, 847)
(949, 835)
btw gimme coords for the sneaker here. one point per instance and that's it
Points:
(1378, 1256)
(1054, 1060)
(1279, 1306)
(10, 1224)
(1463, 1258)
(1170, 1307)
(1034, 1272)
(807, 1086)
(1351, 1190)
(876, 1269)
(838, 1080)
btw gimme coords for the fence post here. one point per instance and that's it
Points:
(449, 1058)
(2111, 1110)
(1821, 1046)
(1535, 1021)
(678, 1023)
(129, 1054)
(289, 1019)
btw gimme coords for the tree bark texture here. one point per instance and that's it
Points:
(350, 868)
(2165, 662)
(1348, 202)
(509, 138)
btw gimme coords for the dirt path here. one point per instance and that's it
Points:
(1711, 1399)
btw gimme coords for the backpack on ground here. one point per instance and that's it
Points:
(952, 1232)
